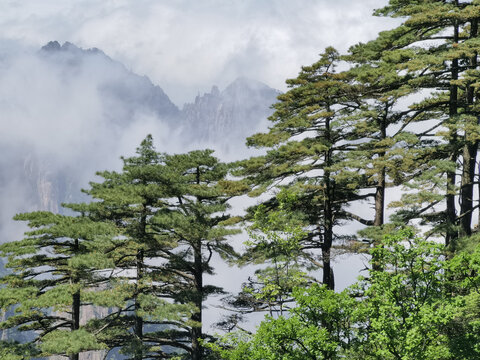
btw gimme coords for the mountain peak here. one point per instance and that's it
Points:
(121, 91)
(54, 46)
(244, 87)
(227, 117)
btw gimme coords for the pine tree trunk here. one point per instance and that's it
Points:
(468, 173)
(380, 200)
(197, 331)
(138, 326)
(469, 156)
(75, 305)
(328, 277)
(380, 191)
(75, 318)
(198, 268)
(138, 319)
(452, 233)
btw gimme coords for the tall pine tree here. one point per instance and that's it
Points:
(55, 273)
(196, 221)
(437, 47)
(307, 149)
(171, 213)
(129, 200)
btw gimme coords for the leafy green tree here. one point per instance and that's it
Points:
(405, 305)
(462, 331)
(317, 328)
(418, 304)
(421, 304)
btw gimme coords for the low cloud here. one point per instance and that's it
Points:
(57, 127)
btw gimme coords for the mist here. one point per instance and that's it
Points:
(61, 124)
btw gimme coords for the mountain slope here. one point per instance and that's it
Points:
(121, 91)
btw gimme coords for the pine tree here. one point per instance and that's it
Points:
(170, 212)
(307, 152)
(54, 274)
(129, 200)
(274, 246)
(437, 47)
(378, 94)
(388, 152)
(195, 220)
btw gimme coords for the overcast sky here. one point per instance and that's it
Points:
(186, 46)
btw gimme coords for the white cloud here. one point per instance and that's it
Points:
(186, 46)
(57, 126)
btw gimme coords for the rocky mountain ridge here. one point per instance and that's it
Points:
(230, 113)
(121, 86)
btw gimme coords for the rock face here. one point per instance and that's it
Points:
(227, 117)
(48, 187)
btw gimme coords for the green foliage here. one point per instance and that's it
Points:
(420, 305)
(274, 240)
(171, 214)
(405, 304)
(317, 328)
(69, 342)
(17, 351)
